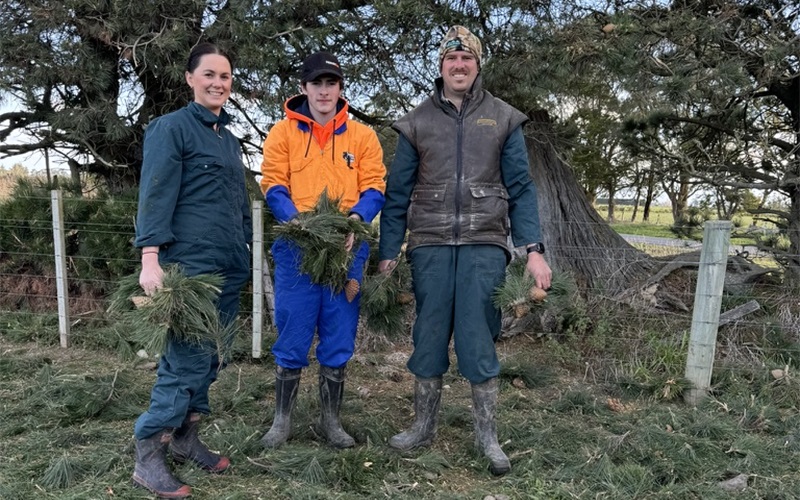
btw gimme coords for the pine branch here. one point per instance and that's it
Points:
(518, 289)
(185, 307)
(384, 299)
(320, 234)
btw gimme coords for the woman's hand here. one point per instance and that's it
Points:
(152, 276)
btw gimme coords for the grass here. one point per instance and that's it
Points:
(587, 416)
(660, 222)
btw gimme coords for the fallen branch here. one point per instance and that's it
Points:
(738, 312)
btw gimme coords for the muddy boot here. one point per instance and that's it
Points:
(427, 396)
(331, 392)
(286, 384)
(151, 469)
(186, 445)
(484, 405)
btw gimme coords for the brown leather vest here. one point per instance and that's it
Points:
(459, 197)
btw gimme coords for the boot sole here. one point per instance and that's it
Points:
(268, 444)
(319, 431)
(499, 471)
(184, 491)
(421, 444)
(216, 469)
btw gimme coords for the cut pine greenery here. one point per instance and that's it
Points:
(383, 305)
(516, 289)
(185, 307)
(320, 235)
(564, 437)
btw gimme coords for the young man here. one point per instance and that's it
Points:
(460, 172)
(316, 148)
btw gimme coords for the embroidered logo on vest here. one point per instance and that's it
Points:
(486, 122)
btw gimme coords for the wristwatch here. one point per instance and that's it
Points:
(535, 247)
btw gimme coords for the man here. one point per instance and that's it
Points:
(460, 172)
(317, 149)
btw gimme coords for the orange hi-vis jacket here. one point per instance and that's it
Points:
(342, 156)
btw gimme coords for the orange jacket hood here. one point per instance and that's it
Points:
(297, 108)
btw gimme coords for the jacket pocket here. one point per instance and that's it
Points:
(489, 209)
(202, 178)
(427, 212)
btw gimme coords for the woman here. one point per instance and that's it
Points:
(193, 211)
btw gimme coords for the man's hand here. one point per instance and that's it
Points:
(538, 268)
(351, 238)
(386, 266)
(152, 276)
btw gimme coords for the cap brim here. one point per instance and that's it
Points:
(322, 72)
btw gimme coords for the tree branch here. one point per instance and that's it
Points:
(783, 145)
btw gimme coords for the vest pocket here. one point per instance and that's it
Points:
(489, 213)
(427, 212)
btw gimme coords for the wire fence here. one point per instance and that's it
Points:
(98, 249)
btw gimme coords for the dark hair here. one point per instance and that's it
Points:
(202, 49)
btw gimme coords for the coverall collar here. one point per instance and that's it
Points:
(206, 117)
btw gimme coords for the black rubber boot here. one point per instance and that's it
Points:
(427, 396)
(331, 393)
(186, 445)
(484, 407)
(287, 383)
(151, 469)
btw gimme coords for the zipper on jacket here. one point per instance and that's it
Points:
(459, 169)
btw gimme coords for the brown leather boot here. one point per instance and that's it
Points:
(186, 445)
(151, 469)
(427, 397)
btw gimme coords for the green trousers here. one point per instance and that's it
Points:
(453, 286)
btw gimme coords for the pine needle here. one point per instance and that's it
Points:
(320, 234)
(516, 288)
(185, 307)
(314, 473)
(431, 461)
(381, 307)
(63, 472)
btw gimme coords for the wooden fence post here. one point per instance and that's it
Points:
(59, 248)
(258, 284)
(707, 303)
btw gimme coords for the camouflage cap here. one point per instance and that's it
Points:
(460, 38)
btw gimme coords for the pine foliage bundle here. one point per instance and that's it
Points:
(184, 307)
(517, 288)
(385, 298)
(320, 233)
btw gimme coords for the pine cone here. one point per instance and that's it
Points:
(536, 294)
(351, 289)
(141, 301)
(404, 298)
(521, 310)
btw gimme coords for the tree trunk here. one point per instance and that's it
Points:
(636, 202)
(578, 240)
(611, 187)
(793, 231)
(648, 199)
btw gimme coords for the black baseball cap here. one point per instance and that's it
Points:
(319, 64)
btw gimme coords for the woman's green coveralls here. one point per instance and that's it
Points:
(193, 205)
